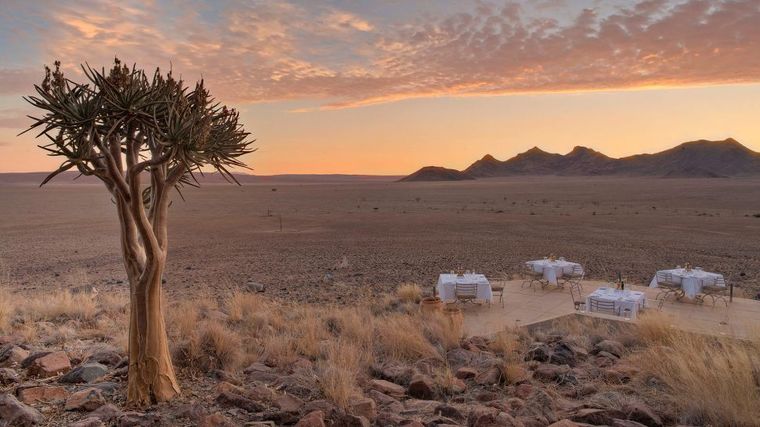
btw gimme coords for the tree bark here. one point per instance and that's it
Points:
(151, 373)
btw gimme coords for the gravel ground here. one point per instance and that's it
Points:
(389, 233)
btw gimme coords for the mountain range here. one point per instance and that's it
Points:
(701, 158)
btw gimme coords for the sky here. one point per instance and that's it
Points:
(385, 87)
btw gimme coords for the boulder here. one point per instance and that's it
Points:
(523, 390)
(138, 419)
(15, 413)
(215, 420)
(288, 403)
(364, 407)
(610, 346)
(222, 375)
(108, 413)
(449, 411)
(629, 423)
(11, 355)
(312, 419)
(489, 376)
(459, 357)
(388, 388)
(565, 423)
(549, 372)
(466, 372)
(539, 352)
(106, 357)
(50, 365)
(422, 387)
(88, 399)
(229, 399)
(30, 395)
(565, 353)
(87, 373)
(396, 373)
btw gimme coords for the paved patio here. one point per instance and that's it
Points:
(525, 306)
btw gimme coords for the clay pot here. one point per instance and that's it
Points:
(430, 305)
(454, 316)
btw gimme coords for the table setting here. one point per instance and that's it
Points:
(626, 301)
(553, 268)
(691, 279)
(447, 282)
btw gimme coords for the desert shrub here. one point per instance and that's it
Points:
(6, 310)
(709, 380)
(400, 338)
(279, 350)
(338, 372)
(212, 346)
(508, 343)
(113, 303)
(409, 292)
(60, 306)
(440, 330)
(243, 306)
(513, 371)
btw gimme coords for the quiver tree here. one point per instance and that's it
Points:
(123, 127)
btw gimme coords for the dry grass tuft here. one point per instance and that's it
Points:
(338, 372)
(442, 330)
(508, 343)
(409, 292)
(399, 338)
(710, 380)
(61, 306)
(214, 346)
(243, 306)
(6, 310)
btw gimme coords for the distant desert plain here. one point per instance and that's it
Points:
(342, 239)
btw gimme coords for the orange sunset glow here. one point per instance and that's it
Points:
(359, 88)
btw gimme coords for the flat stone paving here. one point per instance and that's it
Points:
(525, 306)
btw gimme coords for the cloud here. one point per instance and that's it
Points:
(14, 118)
(259, 52)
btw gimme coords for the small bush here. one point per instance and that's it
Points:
(338, 372)
(409, 292)
(61, 306)
(400, 338)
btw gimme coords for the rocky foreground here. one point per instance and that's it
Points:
(574, 372)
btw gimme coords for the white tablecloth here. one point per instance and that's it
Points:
(552, 270)
(447, 282)
(691, 281)
(625, 299)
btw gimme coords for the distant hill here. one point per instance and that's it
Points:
(704, 159)
(434, 173)
(67, 178)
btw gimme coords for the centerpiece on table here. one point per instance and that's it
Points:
(687, 266)
(552, 257)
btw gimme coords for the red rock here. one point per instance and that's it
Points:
(13, 355)
(215, 420)
(422, 387)
(364, 407)
(30, 395)
(288, 403)
(565, 423)
(50, 365)
(466, 372)
(388, 388)
(312, 419)
(8, 376)
(15, 413)
(85, 400)
(523, 390)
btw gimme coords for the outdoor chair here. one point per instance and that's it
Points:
(716, 291)
(575, 277)
(575, 294)
(531, 276)
(667, 287)
(601, 306)
(465, 292)
(497, 287)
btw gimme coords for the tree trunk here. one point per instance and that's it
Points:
(151, 373)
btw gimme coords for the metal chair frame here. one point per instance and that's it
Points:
(667, 287)
(531, 276)
(716, 291)
(465, 292)
(579, 303)
(601, 306)
(576, 276)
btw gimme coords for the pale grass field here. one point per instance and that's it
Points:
(708, 380)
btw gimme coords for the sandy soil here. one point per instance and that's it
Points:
(224, 236)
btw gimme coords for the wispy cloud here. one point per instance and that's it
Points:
(257, 52)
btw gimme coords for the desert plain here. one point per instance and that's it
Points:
(348, 240)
